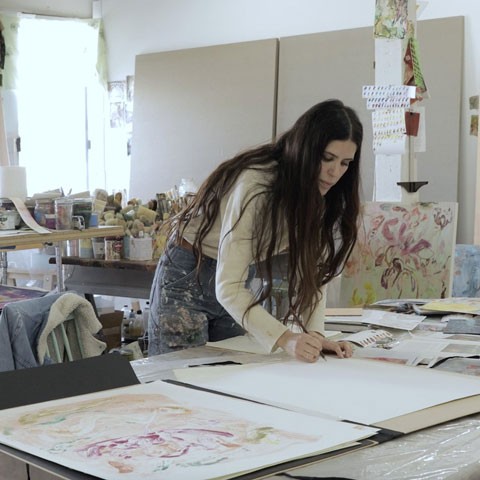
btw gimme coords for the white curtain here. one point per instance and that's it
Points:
(55, 74)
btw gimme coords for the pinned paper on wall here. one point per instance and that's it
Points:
(474, 125)
(388, 96)
(389, 131)
(117, 92)
(473, 104)
(413, 70)
(391, 18)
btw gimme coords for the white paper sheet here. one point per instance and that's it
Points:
(241, 343)
(358, 390)
(248, 344)
(402, 321)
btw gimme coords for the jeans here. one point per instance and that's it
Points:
(184, 311)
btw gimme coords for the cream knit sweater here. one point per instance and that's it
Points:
(234, 254)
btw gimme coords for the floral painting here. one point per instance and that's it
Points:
(164, 431)
(403, 250)
(391, 18)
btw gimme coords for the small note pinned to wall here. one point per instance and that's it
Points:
(474, 125)
(389, 130)
(473, 102)
(388, 96)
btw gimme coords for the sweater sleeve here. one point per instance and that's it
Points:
(316, 322)
(235, 255)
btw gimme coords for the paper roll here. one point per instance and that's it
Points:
(13, 182)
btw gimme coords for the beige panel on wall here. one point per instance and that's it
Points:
(327, 65)
(337, 64)
(197, 107)
(441, 54)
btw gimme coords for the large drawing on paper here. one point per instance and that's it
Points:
(403, 251)
(160, 431)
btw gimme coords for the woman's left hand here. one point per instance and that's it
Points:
(341, 349)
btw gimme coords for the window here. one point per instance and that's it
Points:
(60, 105)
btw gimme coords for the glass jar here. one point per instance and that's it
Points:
(44, 212)
(9, 210)
(82, 207)
(113, 248)
(63, 213)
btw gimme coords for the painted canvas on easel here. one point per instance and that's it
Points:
(168, 432)
(404, 250)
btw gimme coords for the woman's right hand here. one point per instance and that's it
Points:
(302, 346)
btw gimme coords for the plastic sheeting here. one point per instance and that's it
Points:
(448, 451)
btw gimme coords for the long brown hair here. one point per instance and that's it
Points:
(321, 230)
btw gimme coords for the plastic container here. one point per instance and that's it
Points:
(83, 207)
(7, 205)
(138, 248)
(113, 248)
(8, 219)
(146, 315)
(73, 248)
(125, 323)
(135, 327)
(86, 248)
(44, 212)
(63, 213)
(98, 246)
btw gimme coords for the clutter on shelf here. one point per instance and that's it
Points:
(143, 222)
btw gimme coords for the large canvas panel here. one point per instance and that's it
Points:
(403, 250)
(197, 107)
(317, 66)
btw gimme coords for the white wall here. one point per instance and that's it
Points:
(61, 8)
(146, 26)
(156, 25)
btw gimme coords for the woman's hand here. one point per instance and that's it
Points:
(302, 346)
(308, 347)
(341, 349)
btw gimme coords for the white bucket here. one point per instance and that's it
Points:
(8, 219)
(139, 248)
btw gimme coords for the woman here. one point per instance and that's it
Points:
(300, 195)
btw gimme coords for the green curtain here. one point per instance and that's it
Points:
(9, 29)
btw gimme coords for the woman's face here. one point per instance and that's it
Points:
(336, 159)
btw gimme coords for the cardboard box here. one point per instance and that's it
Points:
(111, 327)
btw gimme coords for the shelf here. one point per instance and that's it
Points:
(22, 240)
